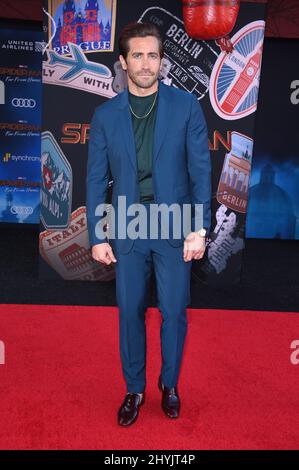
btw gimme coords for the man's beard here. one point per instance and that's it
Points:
(141, 82)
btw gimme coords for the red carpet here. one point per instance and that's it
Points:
(61, 384)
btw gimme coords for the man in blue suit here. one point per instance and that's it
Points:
(152, 138)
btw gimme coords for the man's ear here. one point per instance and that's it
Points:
(123, 62)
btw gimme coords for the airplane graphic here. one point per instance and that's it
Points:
(77, 63)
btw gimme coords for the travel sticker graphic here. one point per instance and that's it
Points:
(78, 72)
(234, 180)
(68, 251)
(56, 185)
(234, 81)
(187, 63)
(88, 23)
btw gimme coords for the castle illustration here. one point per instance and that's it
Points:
(78, 27)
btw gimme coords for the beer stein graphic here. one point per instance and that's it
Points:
(234, 180)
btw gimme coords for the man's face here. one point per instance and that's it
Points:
(143, 61)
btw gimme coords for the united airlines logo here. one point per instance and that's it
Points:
(78, 72)
(40, 46)
(235, 77)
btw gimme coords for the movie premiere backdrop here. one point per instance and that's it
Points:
(81, 70)
(20, 124)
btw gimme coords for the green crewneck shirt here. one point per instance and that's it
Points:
(144, 139)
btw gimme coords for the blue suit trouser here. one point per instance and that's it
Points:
(133, 273)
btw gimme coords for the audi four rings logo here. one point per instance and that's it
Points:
(24, 103)
(21, 210)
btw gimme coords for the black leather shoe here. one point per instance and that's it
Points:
(171, 403)
(128, 412)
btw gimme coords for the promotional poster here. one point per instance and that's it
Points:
(20, 124)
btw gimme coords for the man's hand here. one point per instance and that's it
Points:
(194, 246)
(103, 253)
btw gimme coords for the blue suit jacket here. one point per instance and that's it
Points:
(181, 167)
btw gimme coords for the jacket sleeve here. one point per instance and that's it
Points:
(97, 181)
(199, 167)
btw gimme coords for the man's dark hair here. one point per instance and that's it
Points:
(138, 30)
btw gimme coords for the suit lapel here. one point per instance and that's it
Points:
(162, 119)
(126, 129)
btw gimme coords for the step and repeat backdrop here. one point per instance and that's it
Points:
(81, 70)
(20, 124)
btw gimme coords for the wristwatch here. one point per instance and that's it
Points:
(202, 232)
